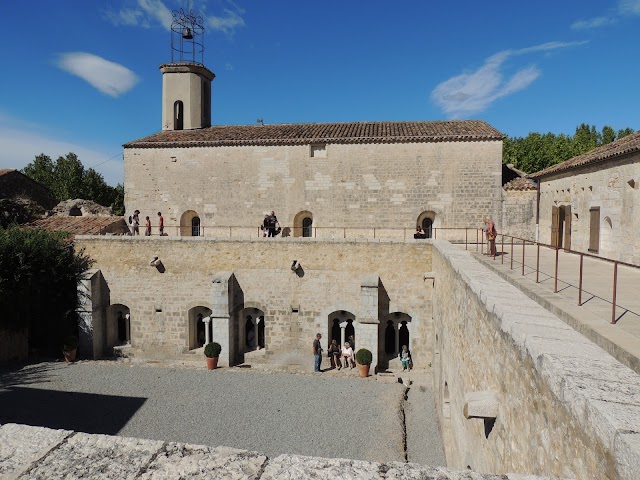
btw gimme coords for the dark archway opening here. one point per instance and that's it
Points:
(403, 336)
(249, 333)
(307, 230)
(195, 227)
(427, 226)
(335, 331)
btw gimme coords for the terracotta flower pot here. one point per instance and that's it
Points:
(363, 370)
(212, 363)
(70, 356)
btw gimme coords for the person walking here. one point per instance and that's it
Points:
(491, 232)
(147, 229)
(317, 353)
(136, 222)
(161, 224)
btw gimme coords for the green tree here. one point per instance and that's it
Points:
(67, 179)
(39, 276)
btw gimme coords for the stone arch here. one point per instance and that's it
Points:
(118, 325)
(178, 115)
(346, 323)
(251, 331)
(198, 333)
(187, 224)
(400, 323)
(303, 224)
(426, 220)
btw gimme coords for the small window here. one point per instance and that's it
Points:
(195, 227)
(319, 150)
(307, 230)
(178, 115)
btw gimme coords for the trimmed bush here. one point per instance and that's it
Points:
(364, 357)
(212, 350)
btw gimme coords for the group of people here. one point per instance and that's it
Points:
(270, 226)
(134, 224)
(420, 233)
(346, 357)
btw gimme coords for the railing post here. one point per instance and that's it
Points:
(511, 267)
(315, 232)
(230, 231)
(435, 233)
(477, 242)
(580, 282)
(482, 242)
(615, 285)
(344, 232)
(502, 250)
(538, 263)
(466, 237)
(523, 256)
(555, 281)
(405, 234)
(374, 232)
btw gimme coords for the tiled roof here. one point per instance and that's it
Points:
(306, 133)
(520, 184)
(78, 225)
(624, 146)
(4, 171)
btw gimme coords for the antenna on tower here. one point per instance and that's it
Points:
(187, 36)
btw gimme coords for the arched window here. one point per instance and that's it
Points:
(303, 224)
(178, 115)
(195, 227)
(425, 220)
(306, 227)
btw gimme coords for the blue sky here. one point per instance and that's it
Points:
(83, 76)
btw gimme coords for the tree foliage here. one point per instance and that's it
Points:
(538, 151)
(67, 179)
(39, 275)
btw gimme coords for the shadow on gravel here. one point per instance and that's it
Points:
(11, 376)
(82, 412)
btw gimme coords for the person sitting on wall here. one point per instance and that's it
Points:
(347, 355)
(334, 354)
(419, 233)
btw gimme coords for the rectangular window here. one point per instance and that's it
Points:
(319, 150)
(594, 229)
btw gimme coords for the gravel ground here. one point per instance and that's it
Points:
(271, 413)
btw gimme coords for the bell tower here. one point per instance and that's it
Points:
(186, 82)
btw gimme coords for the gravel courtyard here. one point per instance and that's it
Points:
(271, 413)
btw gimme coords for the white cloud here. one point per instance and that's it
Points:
(592, 23)
(108, 77)
(22, 141)
(624, 8)
(472, 92)
(228, 22)
(146, 14)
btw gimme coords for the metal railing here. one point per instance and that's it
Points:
(468, 236)
(522, 242)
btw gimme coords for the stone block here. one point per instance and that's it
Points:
(297, 467)
(481, 405)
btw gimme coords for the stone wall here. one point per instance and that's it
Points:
(519, 213)
(614, 187)
(335, 277)
(357, 185)
(564, 408)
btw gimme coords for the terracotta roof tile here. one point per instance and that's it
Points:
(624, 146)
(306, 133)
(79, 225)
(520, 184)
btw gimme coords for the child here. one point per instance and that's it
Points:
(405, 358)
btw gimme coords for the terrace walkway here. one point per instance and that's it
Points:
(593, 318)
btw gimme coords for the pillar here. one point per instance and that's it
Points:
(343, 327)
(368, 317)
(207, 334)
(93, 300)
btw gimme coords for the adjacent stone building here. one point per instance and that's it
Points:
(519, 202)
(591, 203)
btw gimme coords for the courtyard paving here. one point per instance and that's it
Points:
(272, 413)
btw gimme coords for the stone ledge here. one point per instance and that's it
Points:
(39, 452)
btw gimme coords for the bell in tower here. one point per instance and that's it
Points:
(186, 82)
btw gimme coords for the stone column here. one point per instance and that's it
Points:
(368, 323)
(93, 300)
(343, 327)
(226, 298)
(207, 335)
(256, 332)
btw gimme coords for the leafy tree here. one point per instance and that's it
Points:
(67, 179)
(538, 151)
(39, 275)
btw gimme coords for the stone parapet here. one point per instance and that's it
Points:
(38, 452)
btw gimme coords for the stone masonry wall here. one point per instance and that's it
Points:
(374, 185)
(565, 407)
(519, 213)
(614, 187)
(330, 281)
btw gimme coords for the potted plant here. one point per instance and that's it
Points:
(212, 352)
(69, 348)
(364, 359)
